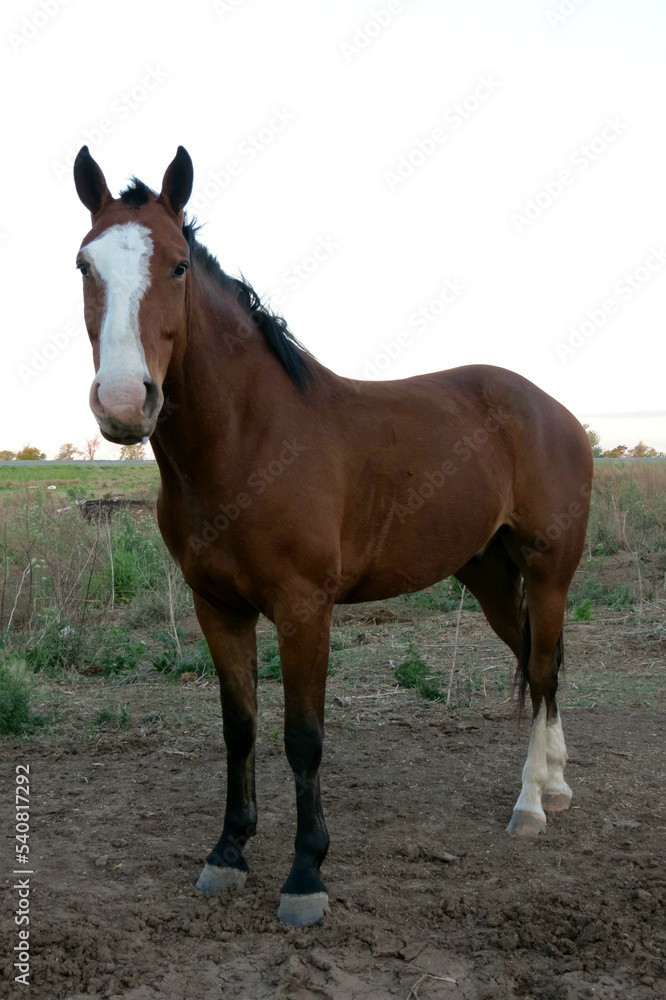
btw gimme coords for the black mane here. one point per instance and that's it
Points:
(136, 193)
(289, 352)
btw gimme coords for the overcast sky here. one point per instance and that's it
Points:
(415, 185)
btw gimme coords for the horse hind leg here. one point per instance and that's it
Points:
(557, 794)
(543, 785)
(495, 579)
(496, 582)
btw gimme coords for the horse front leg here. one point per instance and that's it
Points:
(304, 653)
(232, 642)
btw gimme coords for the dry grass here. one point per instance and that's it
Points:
(91, 594)
(612, 661)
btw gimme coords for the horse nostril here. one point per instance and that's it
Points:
(152, 398)
(95, 402)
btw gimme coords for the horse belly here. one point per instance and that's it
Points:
(419, 544)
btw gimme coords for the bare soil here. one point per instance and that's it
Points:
(120, 830)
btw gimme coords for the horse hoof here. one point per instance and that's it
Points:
(526, 824)
(555, 801)
(214, 879)
(302, 911)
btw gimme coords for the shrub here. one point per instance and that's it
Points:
(16, 683)
(58, 649)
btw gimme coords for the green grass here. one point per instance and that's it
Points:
(94, 478)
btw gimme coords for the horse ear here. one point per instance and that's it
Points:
(177, 183)
(90, 183)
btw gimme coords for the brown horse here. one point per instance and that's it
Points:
(286, 489)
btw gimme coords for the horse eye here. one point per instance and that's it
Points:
(84, 270)
(179, 271)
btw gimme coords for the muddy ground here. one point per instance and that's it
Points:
(119, 832)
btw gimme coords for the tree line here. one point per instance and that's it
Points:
(137, 453)
(640, 450)
(69, 453)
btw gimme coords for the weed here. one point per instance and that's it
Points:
(118, 654)
(170, 661)
(444, 597)
(120, 716)
(16, 685)
(58, 649)
(137, 562)
(622, 597)
(414, 673)
(267, 650)
(583, 611)
(271, 669)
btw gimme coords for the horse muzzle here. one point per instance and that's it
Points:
(126, 412)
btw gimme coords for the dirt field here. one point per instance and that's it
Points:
(122, 818)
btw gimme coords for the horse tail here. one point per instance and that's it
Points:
(522, 677)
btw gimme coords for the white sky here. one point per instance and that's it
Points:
(584, 95)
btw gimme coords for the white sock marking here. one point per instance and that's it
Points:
(556, 758)
(535, 772)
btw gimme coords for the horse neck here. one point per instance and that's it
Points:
(225, 387)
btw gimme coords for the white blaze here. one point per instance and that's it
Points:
(121, 259)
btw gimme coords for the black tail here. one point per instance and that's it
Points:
(522, 677)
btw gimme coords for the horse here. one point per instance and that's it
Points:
(287, 489)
